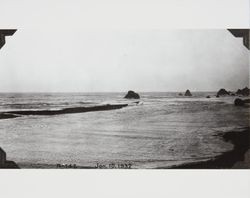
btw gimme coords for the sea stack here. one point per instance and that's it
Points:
(132, 95)
(188, 93)
(243, 92)
(222, 92)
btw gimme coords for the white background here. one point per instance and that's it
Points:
(125, 183)
(134, 183)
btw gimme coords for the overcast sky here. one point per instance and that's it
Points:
(43, 56)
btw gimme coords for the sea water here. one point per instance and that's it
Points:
(162, 130)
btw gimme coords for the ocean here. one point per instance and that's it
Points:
(162, 130)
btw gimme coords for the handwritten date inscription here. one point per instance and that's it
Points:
(114, 166)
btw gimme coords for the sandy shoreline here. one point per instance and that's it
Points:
(237, 158)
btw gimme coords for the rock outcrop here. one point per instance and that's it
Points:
(132, 95)
(243, 92)
(240, 102)
(2, 157)
(208, 97)
(238, 92)
(222, 92)
(188, 93)
(5, 163)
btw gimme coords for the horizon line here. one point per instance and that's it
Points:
(103, 91)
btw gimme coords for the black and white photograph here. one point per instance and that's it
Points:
(152, 99)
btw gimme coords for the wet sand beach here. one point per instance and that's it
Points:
(238, 158)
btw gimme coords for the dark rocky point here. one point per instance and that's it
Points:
(188, 93)
(132, 95)
(240, 102)
(4, 163)
(208, 97)
(243, 92)
(238, 92)
(222, 92)
(241, 143)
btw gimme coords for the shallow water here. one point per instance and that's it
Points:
(164, 129)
